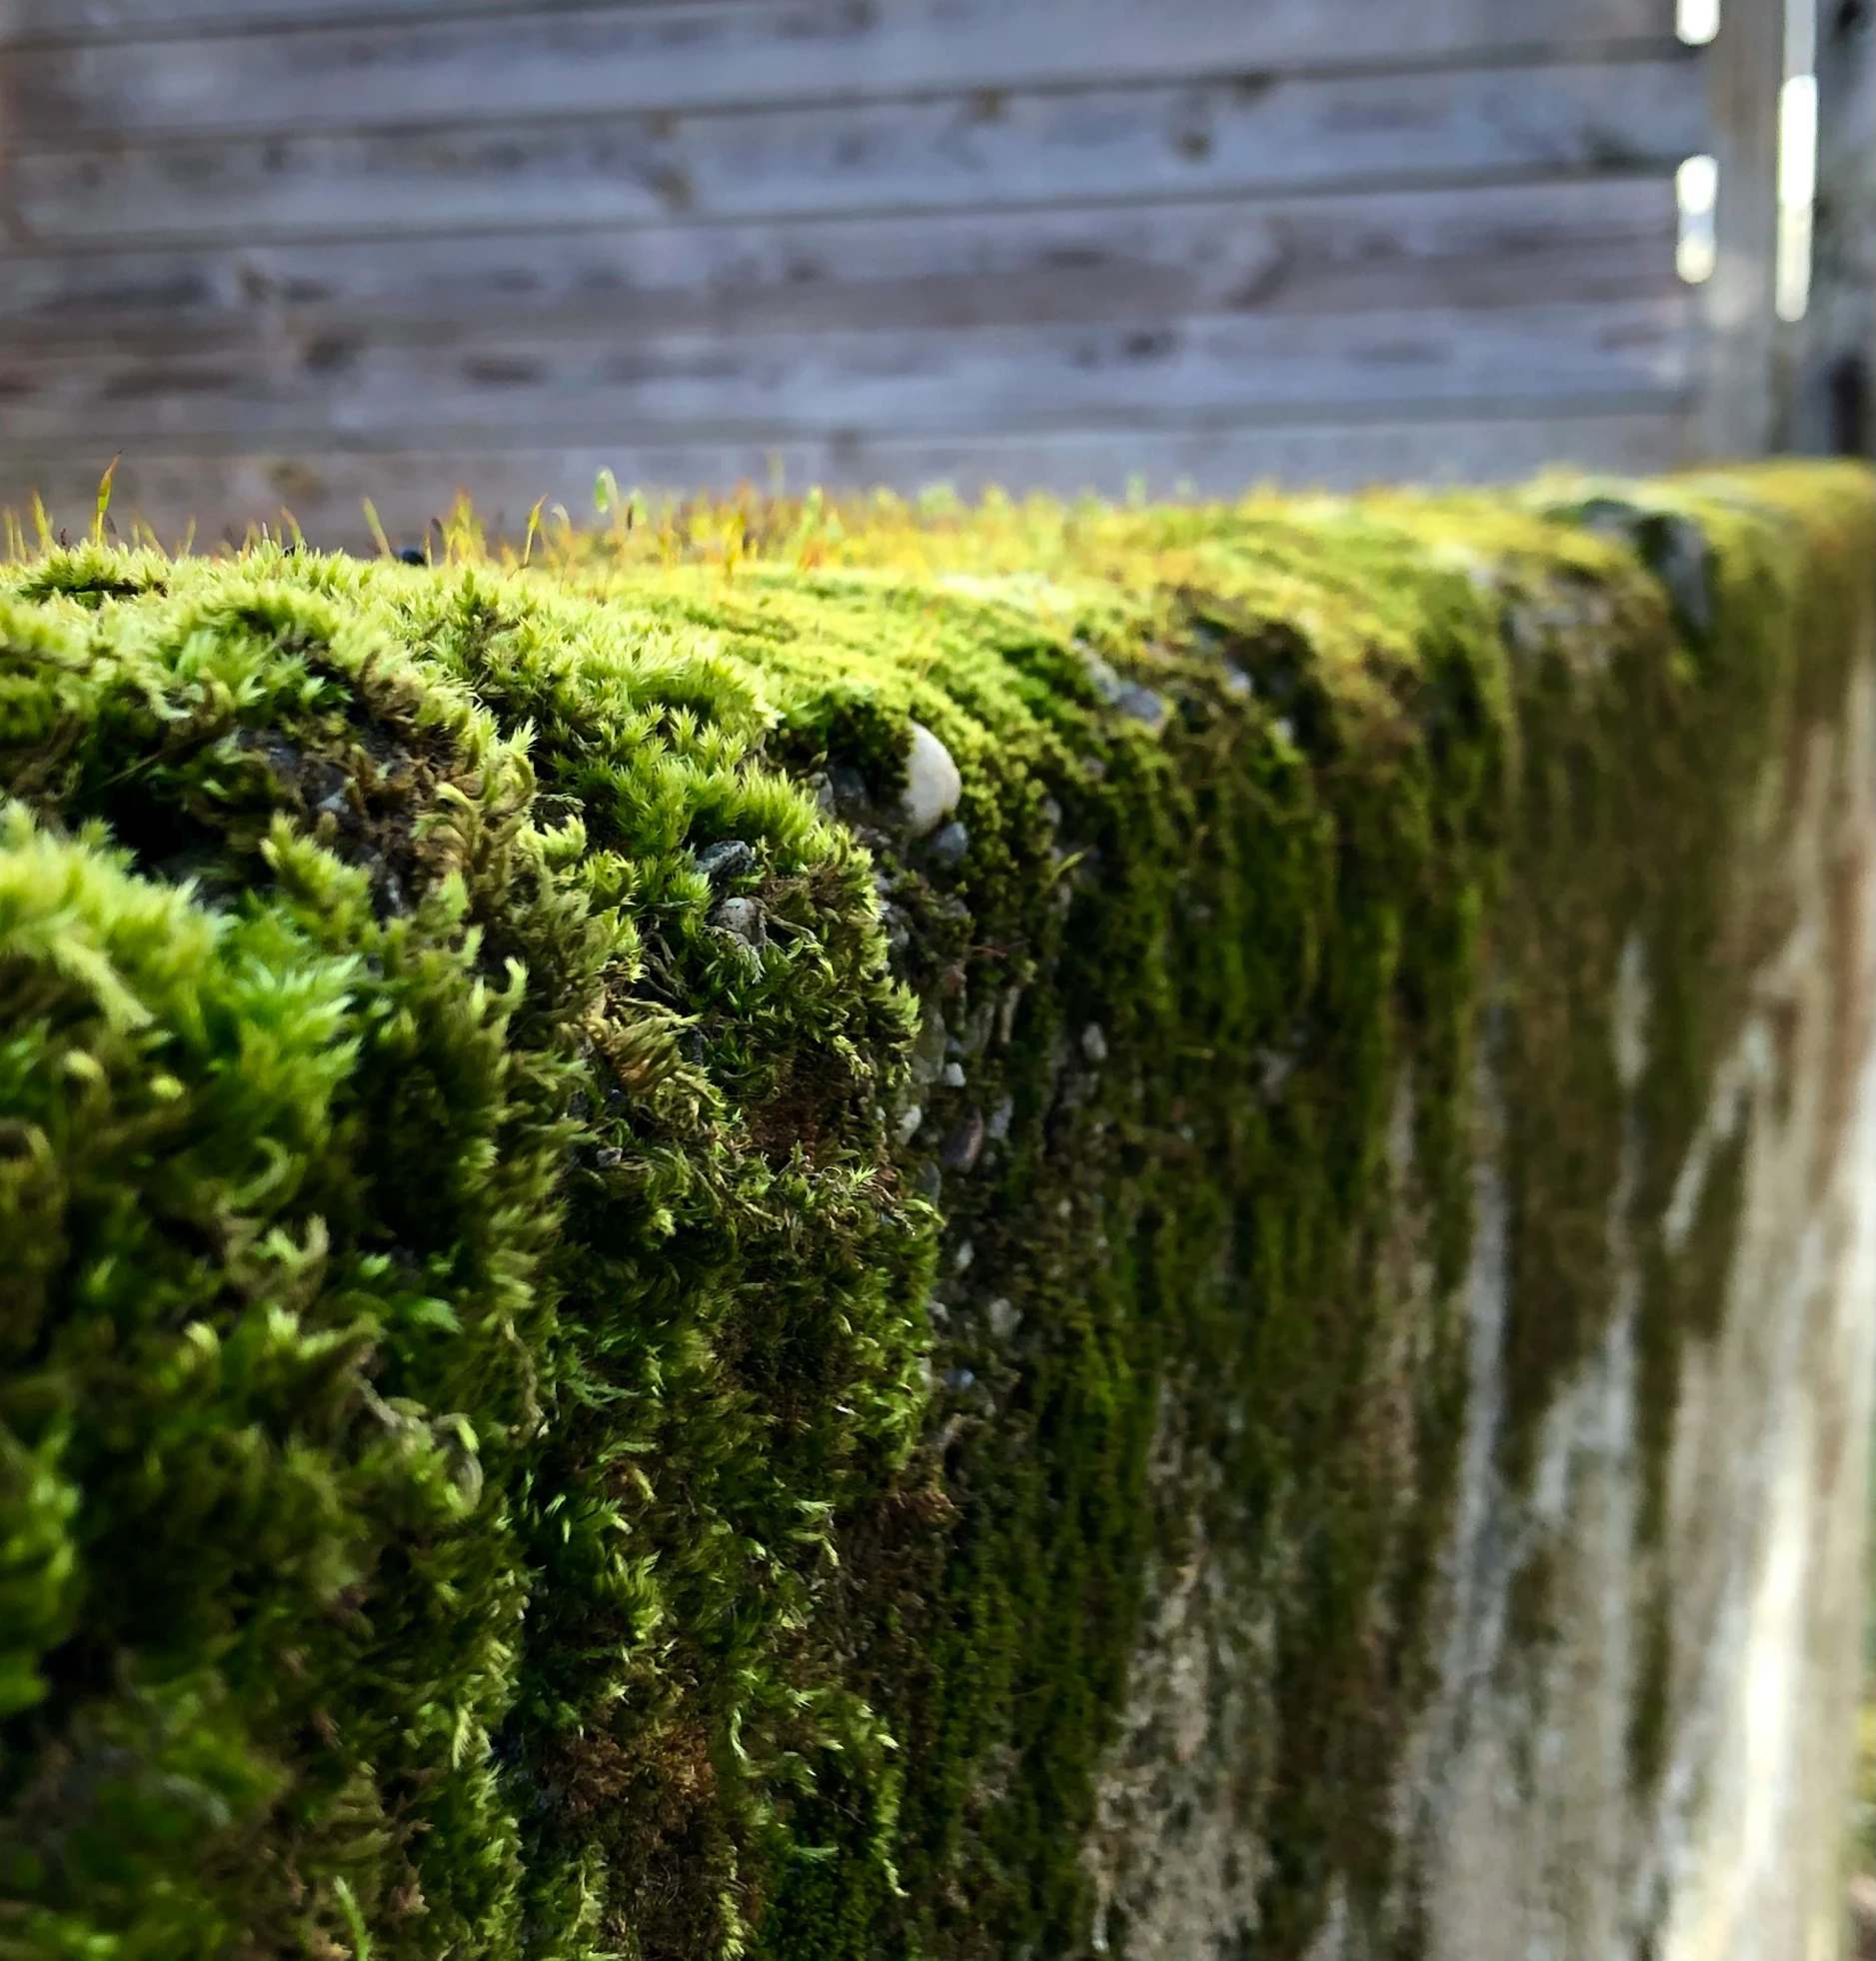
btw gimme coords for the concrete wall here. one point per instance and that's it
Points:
(1531, 1838)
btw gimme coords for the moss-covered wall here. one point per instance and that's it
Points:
(652, 1199)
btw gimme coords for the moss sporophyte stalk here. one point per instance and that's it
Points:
(647, 1199)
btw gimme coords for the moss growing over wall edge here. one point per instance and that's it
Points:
(699, 1322)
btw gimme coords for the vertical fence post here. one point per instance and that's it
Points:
(1830, 358)
(1745, 67)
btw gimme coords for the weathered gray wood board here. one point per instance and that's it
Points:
(693, 54)
(1061, 242)
(1369, 252)
(224, 490)
(1487, 22)
(1207, 139)
(1114, 374)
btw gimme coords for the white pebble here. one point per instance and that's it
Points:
(933, 785)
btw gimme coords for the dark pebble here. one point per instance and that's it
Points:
(849, 786)
(1674, 549)
(730, 859)
(964, 1144)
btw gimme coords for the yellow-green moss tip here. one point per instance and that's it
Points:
(607, 1327)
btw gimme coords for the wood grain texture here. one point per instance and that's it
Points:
(1053, 242)
(1745, 72)
(61, 22)
(242, 486)
(1217, 139)
(1482, 247)
(703, 53)
(911, 380)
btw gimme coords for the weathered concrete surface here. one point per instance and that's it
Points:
(1539, 1845)
(1524, 1829)
(1770, 1516)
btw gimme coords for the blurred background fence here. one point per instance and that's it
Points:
(296, 252)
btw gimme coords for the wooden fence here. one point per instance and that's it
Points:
(300, 251)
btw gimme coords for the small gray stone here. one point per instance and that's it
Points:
(951, 844)
(1006, 1015)
(964, 1144)
(1004, 1320)
(732, 859)
(998, 1129)
(1094, 1043)
(281, 755)
(933, 785)
(928, 1050)
(1273, 1068)
(1126, 695)
(323, 785)
(961, 1258)
(958, 1378)
(741, 918)
(951, 1075)
(908, 1125)
(1144, 706)
(1107, 685)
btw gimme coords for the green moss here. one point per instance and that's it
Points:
(609, 1342)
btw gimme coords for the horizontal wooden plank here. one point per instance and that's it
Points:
(774, 386)
(1480, 247)
(619, 60)
(1028, 147)
(61, 21)
(323, 489)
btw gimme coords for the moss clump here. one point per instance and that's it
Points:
(608, 1347)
